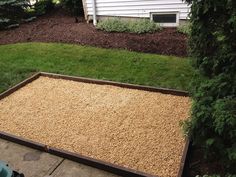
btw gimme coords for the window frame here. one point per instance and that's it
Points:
(167, 12)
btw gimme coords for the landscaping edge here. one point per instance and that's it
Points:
(112, 168)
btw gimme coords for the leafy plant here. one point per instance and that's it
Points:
(4, 22)
(143, 26)
(113, 25)
(43, 6)
(137, 26)
(184, 28)
(212, 47)
(12, 12)
(74, 6)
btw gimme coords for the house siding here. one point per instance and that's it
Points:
(137, 8)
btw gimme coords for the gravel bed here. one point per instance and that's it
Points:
(128, 127)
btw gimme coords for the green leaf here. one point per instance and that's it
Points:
(210, 141)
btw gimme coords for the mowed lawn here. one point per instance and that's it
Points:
(19, 61)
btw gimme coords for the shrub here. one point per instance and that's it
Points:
(137, 26)
(4, 22)
(12, 12)
(184, 28)
(43, 6)
(212, 47)
(74, 6)
(113, 25)
(143, 26)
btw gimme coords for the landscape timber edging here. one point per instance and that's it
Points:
(183, 159)
(112, 168)
(118, 84)
(20, 85)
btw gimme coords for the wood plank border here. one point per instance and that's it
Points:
(118, 84)
(20, 85)
(112, 168)
(183, 159)
(23, 141)
(102, 165)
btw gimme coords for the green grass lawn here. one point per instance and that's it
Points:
(19, 61)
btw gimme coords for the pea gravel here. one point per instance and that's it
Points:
(133, 128)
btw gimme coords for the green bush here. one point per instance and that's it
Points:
(12, 12)
(74, 6)
(43, 6)
(143, 26)
(213, 50)
(184, 28)
(113, 25)
(137, 26)
(4, 22)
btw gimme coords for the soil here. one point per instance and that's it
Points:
(196, 164)
(128, 127)
(58, 26)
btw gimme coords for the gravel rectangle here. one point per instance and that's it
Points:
(132, 128)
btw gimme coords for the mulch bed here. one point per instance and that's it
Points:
(198, 165)
(58, 26)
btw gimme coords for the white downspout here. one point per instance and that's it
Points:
(94, 13)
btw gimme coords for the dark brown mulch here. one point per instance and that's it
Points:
(196, 164)
(58, 26)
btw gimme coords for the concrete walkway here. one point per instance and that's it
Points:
(34, 163)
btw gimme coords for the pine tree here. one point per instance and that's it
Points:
(12, 12)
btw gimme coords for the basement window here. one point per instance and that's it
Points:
(166, 19)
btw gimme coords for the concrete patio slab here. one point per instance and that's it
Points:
(72, 169)
(34, 163)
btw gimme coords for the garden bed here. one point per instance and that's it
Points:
(58, 26)
(134, 127)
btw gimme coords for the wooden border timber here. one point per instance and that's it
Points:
(112, 168)
(183, 159)
(20, 85)
(115, 169)
(118, 84)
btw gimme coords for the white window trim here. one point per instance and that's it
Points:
(167, 12)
